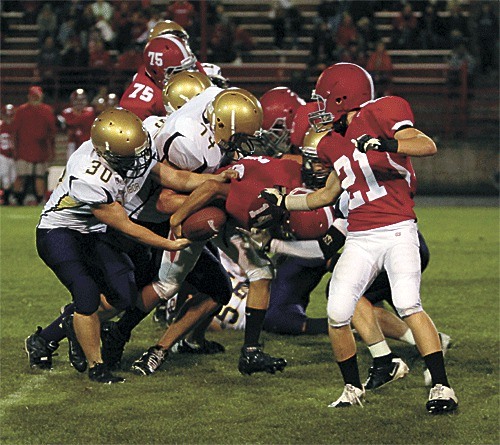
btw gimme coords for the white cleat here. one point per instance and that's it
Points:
(350, 396)
(441, 400)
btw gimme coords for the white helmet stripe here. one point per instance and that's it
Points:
(181, 46)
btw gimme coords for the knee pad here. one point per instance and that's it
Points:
(165, 290)
(340, 315)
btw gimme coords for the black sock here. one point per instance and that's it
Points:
(384, 360)
(254, 319)
(435, 364)
(130, 319)
(316, 326)
(350, 371)
(54, 331)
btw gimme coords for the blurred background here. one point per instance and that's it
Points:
(442, 56)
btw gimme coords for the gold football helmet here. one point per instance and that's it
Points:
(182, 87)
(122, 141)
(235, 118)
(168, 27)
(314, 172)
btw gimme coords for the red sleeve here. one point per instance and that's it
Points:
(391, 113)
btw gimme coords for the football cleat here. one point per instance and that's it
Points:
(101, 374)
(194, 347)
(113, 344)
(39, 350)
(75, 352)
(445, 344)
(381, 375)
(350, 396)
(150, 361)
(441, 400)
(254, 359)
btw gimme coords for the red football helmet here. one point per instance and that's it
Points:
(79, 99)
(310, 224)
(166, 55)
(279, 106)
(301, 124)
(340, 88)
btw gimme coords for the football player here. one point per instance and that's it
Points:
(168, 27)
(7, 163)
(100, 178)
(162, 56)
(210, 129)
(370, 151)
(77, 120)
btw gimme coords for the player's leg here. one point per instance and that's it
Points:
(404, 271)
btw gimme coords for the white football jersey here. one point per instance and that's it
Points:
(87, 181)
(184, 138)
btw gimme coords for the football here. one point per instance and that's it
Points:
(204, 224)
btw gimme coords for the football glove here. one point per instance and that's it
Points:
(366, 142)
(274, 196)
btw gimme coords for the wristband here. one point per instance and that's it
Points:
(296, 202)
(390, 145)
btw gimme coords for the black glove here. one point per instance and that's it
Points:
(366, 142)
(274, 196)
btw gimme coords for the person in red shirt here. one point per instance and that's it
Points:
(78, 119)
(379, 65)
(370, 150)
(100, 58)
(182, 12)
(34, 130)
(7, 164)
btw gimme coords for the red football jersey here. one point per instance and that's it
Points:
(78, 124)
(143, 97)
(35, 129)
(256, 174)
(6, 139)
(381, 185)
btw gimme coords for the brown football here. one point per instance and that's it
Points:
(204, 224)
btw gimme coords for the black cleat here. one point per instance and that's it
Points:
(381, 375)
(113, 344)
(441, 400)
(150, 361)
(39, 350)
(254, 359)
(75, 352)
(101, 374)
(203, 347)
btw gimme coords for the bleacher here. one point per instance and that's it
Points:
(419, 75)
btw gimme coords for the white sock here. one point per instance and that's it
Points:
(408, 337)
(379, 349)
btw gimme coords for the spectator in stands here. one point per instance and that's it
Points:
(130, 59)
(67, 31)
(243, 40)
(367, 34)
(47, 23)
(30, 9)
(277, 15)
(430, 29)
(74, 54)
(353, 54)
(182, 12)
(460, 58)
(346, 32)
(294, 22)
(84, 23)
(140, 30)
(106, 32)
(221, 45)
(379, 65)
(100, 58)
(122, 26)
(34, 130)
(102, 8)
(47, 62)
(360, 9)
(331, 12)
(487, 37)
(404, 30)
(456, 26)
(323, 49)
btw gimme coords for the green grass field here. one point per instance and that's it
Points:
(206, 400)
